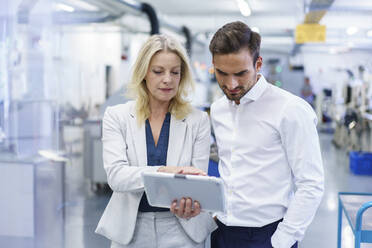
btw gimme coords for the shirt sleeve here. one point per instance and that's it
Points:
(201, 148)
(121, 176)
(301, 144)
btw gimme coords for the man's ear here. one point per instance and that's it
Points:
(258, 64)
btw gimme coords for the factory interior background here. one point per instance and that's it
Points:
(63, 62)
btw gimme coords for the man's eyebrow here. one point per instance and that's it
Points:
(222, 72)
(240, 73)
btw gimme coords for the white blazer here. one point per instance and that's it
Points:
(125, 159)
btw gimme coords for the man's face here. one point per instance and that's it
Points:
(235, 73)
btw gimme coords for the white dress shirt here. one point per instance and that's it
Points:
(270, 161)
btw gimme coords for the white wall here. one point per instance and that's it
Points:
(291, 80)
(81, 56)
(330, 67)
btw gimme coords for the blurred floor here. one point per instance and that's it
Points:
(322, 233)
(84, 208)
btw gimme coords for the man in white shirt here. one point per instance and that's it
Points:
(268, 147)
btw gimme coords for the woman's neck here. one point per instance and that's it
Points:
(158, 109)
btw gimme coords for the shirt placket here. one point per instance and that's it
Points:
(230, 190)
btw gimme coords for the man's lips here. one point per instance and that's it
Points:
(235, 91)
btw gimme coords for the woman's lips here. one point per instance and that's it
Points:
(166, 89)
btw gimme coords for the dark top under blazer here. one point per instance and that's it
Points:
(156, 155)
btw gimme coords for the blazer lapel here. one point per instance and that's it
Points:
(139, 139)
(177, 134)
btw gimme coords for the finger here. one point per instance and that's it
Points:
(197, 209)
(191, 171)
(181, 208)
(195, 171)
(178, 171)
(197, 206)
(168, 169)
(188, 208)
(173, 207)
(202, 173)
(175, 169)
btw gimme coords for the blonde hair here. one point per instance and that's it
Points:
(179, 106)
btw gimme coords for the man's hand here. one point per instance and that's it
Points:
(186, 209)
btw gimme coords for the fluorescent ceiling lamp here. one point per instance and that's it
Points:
(82, 5)
(132, 2)
(352, 30)
(52, 155)
(256, 29)
(64, 7)
(244, 7)
(369, 33)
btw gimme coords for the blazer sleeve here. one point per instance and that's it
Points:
(201, 148)
(121, 176)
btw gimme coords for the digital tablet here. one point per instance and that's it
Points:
(162, 188)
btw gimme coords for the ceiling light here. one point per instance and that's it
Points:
(369, 33)
(64, 7)
(244, 7)
(352, 30)
(81, 5)
(256, 29)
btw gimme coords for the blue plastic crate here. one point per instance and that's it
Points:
(361, 163)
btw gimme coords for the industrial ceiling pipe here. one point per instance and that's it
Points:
(187, 34)
(156, 21)
(153, 18)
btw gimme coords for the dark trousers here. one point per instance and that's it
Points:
(243, 237)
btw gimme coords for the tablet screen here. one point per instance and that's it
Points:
(162, 188)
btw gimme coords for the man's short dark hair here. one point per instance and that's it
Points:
(234, 36)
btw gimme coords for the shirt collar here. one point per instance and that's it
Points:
(256, 91)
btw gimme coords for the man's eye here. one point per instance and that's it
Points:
(240, 74)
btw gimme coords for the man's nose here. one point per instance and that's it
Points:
(232, 83)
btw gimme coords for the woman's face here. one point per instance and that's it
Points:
(163, 76)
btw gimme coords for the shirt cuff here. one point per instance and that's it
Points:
(281, 239)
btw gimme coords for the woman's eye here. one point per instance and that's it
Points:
(157, 72)
(176, 72)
